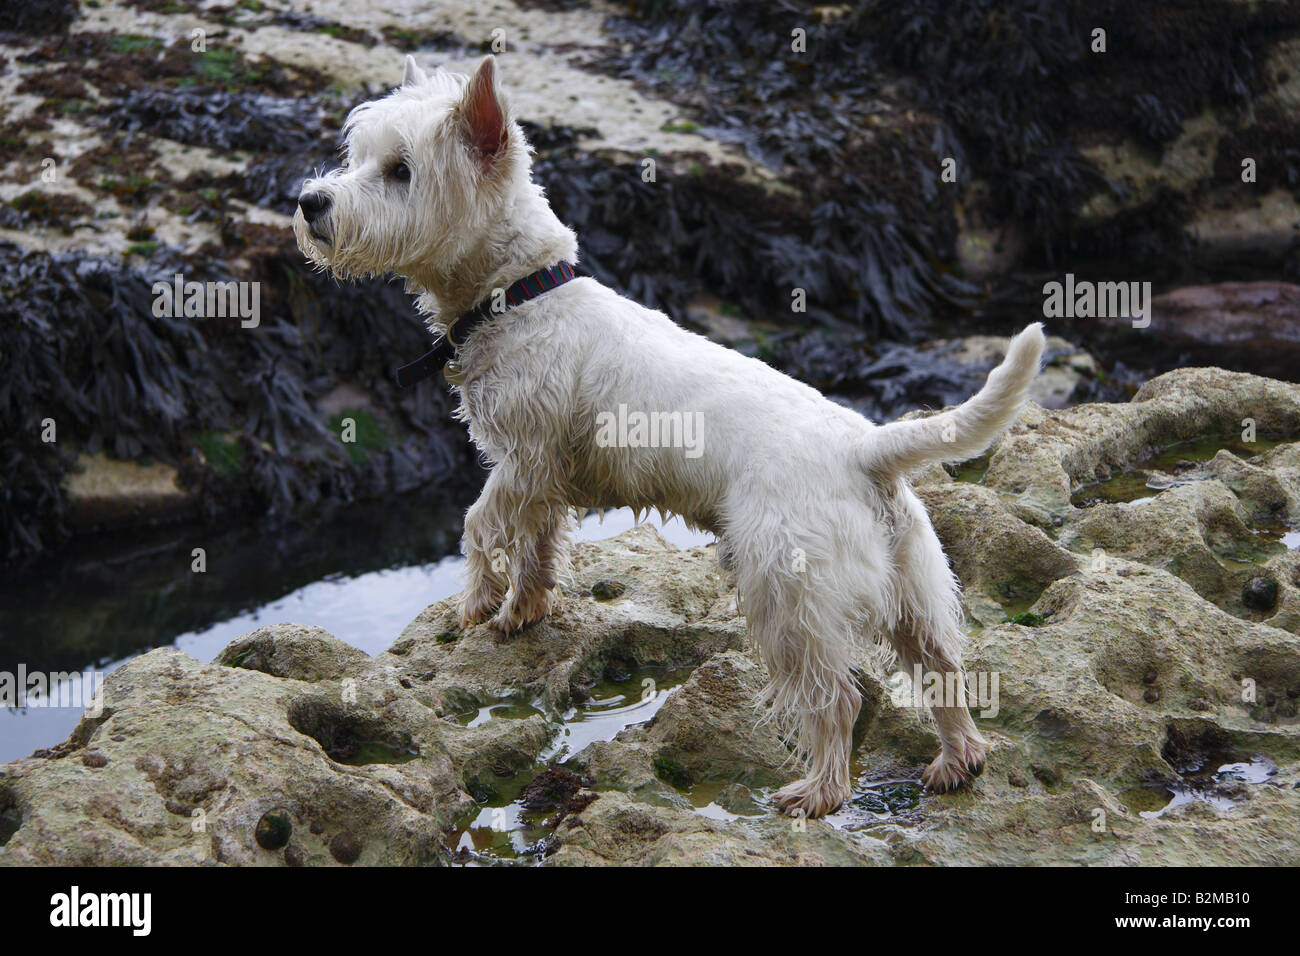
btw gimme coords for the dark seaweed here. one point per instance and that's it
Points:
(707, 230)
(247, 120)
(38, 16)
(1012, 88)
(84, 348)
(862, 222)
(867, 229)
(1019, 84)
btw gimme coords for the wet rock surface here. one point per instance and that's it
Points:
(205, 765)
(1140, 694)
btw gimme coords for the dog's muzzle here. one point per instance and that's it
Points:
(315, 207)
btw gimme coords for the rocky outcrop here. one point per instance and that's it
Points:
(1243, 325)
(1134, 604)
(190, 762)
(104, 493)
(1253, 325)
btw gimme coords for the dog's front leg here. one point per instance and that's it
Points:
(487, 561)
(541, 552)
(515, 545)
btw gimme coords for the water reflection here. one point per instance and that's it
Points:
(110, 622)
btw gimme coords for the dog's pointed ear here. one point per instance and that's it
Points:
(411, 73)
(483, 113)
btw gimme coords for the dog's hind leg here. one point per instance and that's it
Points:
(825, 732)
(929, 634)
(934, 645)
(804, 636)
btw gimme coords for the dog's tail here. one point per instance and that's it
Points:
(965, 431)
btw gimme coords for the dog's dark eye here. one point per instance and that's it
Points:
(401, 172)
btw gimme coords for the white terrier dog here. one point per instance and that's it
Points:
(829, 547)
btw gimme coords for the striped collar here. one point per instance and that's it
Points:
(529, 287)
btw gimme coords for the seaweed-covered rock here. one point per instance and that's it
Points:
(38, 16)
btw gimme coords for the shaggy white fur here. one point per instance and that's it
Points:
(829, 547)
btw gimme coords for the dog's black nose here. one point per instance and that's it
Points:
(314, 205)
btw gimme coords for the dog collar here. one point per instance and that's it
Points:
(529, 287)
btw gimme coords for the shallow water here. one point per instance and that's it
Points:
(612, 705)
(368, 610)
(1161, 471)
(502, 830)
(1279, 533)
(972, 471)
(878, 805)
(1208, 785)
(704, 798)
(368, 752)
(1130, 487)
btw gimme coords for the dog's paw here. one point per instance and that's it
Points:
(520, 611)
(811, 797)
(478, 605)
(952, 770)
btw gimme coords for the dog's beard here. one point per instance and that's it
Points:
(329, 245)
(353, 247)
(314, 247)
